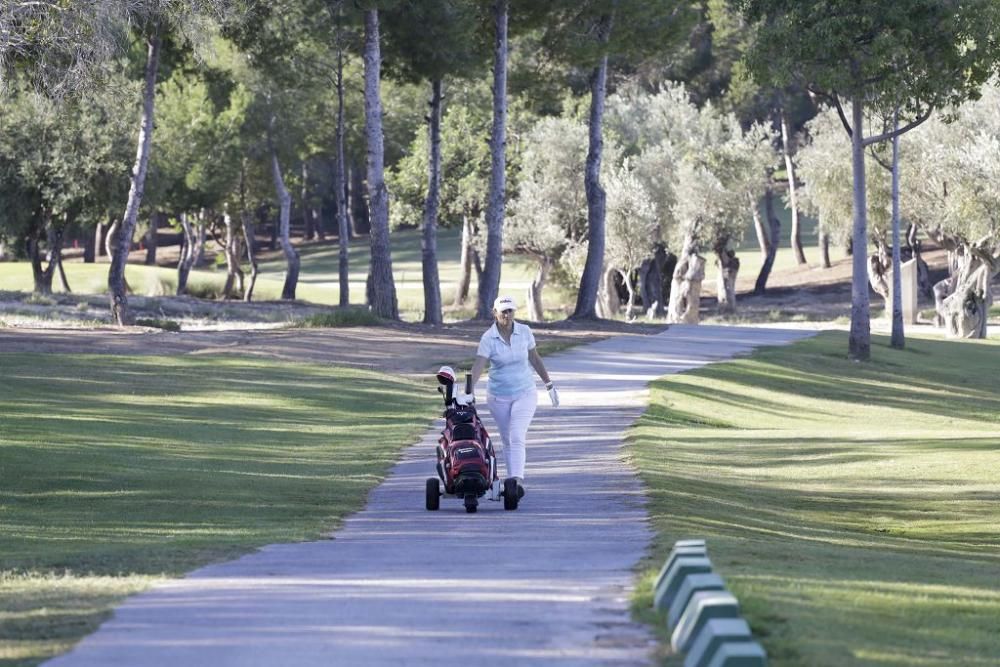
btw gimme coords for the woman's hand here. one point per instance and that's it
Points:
(553, 394)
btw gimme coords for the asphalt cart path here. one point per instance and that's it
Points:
(398, 585)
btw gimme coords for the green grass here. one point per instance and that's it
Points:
(119, 471)
(319, 277)
(852, 508)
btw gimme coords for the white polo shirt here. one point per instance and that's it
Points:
(510, 372)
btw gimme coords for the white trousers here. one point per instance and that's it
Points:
(513, 415)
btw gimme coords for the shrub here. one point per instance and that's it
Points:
(340, 317)
(166, 325)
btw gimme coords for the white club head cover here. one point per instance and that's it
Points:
(465, 399)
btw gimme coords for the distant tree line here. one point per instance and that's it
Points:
(615, 142)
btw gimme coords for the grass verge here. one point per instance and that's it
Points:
(852, 508)
(120, 471)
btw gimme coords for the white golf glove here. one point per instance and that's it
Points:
(553, 394)
(465, 399)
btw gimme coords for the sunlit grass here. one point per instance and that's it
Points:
(852, 508)
(318, 279)
(117, 471)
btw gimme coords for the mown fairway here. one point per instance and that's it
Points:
(852, 508)
(116, 472)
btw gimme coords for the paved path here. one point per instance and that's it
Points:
(397, 585)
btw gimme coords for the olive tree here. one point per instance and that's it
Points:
(912, 57)
(954, 184)
(550, 210)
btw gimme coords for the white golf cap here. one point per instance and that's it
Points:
(503, 303)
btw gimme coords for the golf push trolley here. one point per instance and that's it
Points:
(466, 461)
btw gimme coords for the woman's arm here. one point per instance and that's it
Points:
(536, 363)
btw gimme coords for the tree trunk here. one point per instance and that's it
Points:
(43, 276)
(897, 339)
(608, 302)
(187, 257)
(586, 298)
(428, 245)
(383, 293)
(535, 310)
(824, 249)
(630, 304)
(285, 213)
(859, 340)
(62, 274)
(116, 276)
(763, 241)
(685, 288)
(100, 247)
(489, 282)
(89, 247)
(966, 310)
(153, 237)
(308, 223)
(878, 274)
(248, 237)
(34, 251)
(360, 218)
(651, 283)
(234, 274)
(760, 286)
(199, 248)
(786, 150)
(465, 263)
(110, 239)
(340, 192)
(728, 265)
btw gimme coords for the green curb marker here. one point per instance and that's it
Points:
(716, 632)
(740, 654)
(671, 584)
(692, 584)
(703, 607)
(681, 548)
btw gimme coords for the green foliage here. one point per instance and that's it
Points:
(465, 158)
(917, 55)
(550, 210)
(166, 325)
(196, 160)
(115, 481)
(822, 485)
(432, 39)
(61, 161)
(698, 166)
(341, 317)
(827, 185)
(951, 171)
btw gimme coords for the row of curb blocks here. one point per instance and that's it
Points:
(702, 615)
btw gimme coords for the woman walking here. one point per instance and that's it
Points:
(509, 348)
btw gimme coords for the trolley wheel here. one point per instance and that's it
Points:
(433, 493)
(471, 503)
(510, 494)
